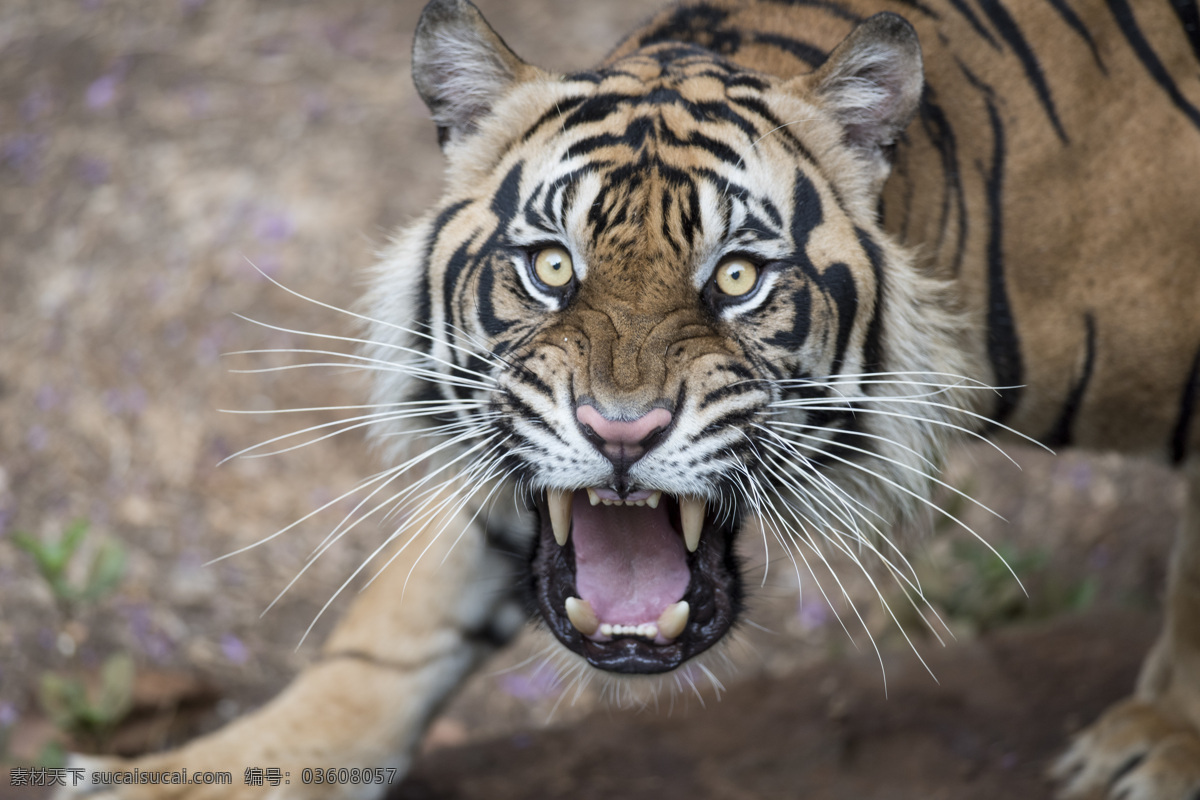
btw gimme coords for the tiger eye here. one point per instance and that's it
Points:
(553, 267)
(736, 277)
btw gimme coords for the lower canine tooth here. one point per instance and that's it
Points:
(559, 503)
(674, 619)
(691, 519)
(582, 616)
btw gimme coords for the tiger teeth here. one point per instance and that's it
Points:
(691, 519)
(582, 616)
(653, 500)
(674, 619)
(559, 502)
(647, 630)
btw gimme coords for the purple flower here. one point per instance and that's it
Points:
(103, 91)
(532, 685)
(274, 227)
(813, 614)
(233, 649)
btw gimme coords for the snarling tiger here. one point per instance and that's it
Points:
(748, 277)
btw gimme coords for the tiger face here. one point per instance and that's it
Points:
(655, 308)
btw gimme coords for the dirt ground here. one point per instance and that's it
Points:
(158, 162)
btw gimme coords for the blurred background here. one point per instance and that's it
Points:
(161, 163)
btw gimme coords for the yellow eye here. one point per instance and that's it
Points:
(553, 267)
(736, 277)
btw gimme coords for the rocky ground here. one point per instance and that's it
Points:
(161, 166)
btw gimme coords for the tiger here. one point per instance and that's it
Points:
(751, 276)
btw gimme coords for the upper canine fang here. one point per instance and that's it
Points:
(559, 503)
(691, 519)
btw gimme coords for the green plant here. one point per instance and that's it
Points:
(53, 559)
(90, 713)
(85, 711)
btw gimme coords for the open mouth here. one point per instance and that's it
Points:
(637, 584)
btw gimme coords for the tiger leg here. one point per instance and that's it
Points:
(1147, 747)
(407, 642)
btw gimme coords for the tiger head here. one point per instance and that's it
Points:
(654, 307)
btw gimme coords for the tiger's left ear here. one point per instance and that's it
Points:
(462, 67)
(872, 84)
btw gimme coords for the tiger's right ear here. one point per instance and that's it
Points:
(461, 66)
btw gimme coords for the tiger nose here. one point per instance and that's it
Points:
(620, 441)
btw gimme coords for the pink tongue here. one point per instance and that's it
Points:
(630, 563)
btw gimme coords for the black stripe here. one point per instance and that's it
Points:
(1011, 33)
(518, 409)
(962, 8)
(776, 125)
(737, 79)
(1060, 434)
(530, 378)
(873, 346)
(728, 390)
(800, 308)
(915, 5)
(455, 267)
(695, 139)
(596, 108)
(837, 282)
(724, 422)
(1128, 24)
(666, 201)
(485, 308)
(506, 202)
(1187, 412)
(566, 186)
(772, 211)
(810, 54)
(1076, 24)
(1003, 345)
(1189, 17)
(836, 9)
(424, 313)
(807, 213)
(697, 23)
(560, 107)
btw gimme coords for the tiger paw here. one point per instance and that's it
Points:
(1133, 752)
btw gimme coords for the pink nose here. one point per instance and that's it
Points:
(624, 441)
